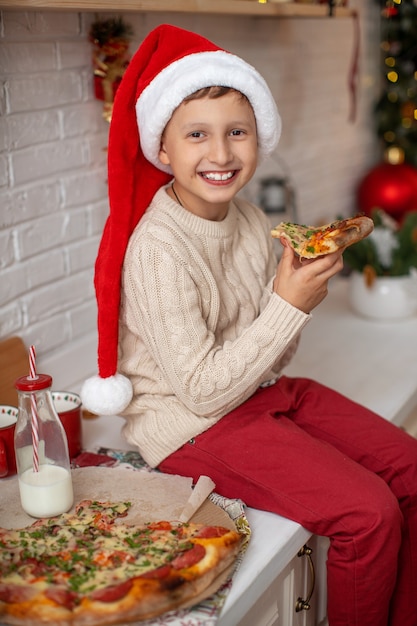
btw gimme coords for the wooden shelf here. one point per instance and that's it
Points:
(271, 8)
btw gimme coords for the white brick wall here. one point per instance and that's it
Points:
(53, 140)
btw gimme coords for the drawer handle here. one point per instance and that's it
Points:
(304, 605)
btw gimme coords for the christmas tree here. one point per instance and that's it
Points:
(396, 109)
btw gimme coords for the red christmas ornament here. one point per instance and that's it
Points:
(392, 188)
(389, 12)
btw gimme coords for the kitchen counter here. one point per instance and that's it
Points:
(372, 362)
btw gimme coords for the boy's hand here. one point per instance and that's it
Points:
(304, 284)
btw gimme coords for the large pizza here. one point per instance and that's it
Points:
(310, 242)
(90, 568)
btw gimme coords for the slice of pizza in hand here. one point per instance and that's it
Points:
(310, 242)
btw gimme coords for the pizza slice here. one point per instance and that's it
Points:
(310, 242)
(91, 568)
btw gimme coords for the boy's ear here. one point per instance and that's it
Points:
(163, 156)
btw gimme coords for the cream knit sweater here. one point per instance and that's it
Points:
(200, 327)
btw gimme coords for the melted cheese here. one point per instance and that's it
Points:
(86, 552)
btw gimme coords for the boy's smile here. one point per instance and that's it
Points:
(214, 176)
(211, 146)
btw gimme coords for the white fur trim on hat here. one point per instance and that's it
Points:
(181, 78)
(106, 396)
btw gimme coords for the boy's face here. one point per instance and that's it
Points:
(211, 146)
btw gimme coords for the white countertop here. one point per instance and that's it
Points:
(374, 363)
(371, 362)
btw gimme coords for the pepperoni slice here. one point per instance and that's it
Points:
(190, 557)
(36, 567)
(15, 593)
(82, 505)
(61, 596)
(112, 593)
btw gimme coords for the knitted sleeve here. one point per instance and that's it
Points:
(210, 351)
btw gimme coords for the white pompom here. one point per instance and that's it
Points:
(106, 396)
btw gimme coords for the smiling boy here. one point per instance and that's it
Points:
(197, 322)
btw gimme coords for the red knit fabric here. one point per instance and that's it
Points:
(133, 181)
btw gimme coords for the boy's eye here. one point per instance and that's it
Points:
(236, 132)
(196, 134)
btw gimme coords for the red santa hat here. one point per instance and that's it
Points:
(170, 65)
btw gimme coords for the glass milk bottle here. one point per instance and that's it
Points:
(41, 447)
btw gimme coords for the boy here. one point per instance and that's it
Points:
(200, 322)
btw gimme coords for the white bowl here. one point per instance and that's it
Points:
(388, 298)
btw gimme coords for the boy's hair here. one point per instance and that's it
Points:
(216, 91)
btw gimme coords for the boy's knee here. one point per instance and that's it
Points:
(382, 516)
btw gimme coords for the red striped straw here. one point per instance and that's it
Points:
(35, 417)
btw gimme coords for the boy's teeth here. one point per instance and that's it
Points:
(218, 176)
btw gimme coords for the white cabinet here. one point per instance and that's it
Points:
(294, 587)
(277, 605)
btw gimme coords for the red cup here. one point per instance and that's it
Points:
(8, 419)
(69, 408)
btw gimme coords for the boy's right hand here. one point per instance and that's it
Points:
(304, 283)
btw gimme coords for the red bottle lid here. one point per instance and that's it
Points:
(26, 383)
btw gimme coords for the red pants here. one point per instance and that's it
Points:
(309, 454)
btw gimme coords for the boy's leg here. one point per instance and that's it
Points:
(263, 453)
(382, 448)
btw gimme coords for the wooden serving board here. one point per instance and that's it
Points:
(154, 496)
